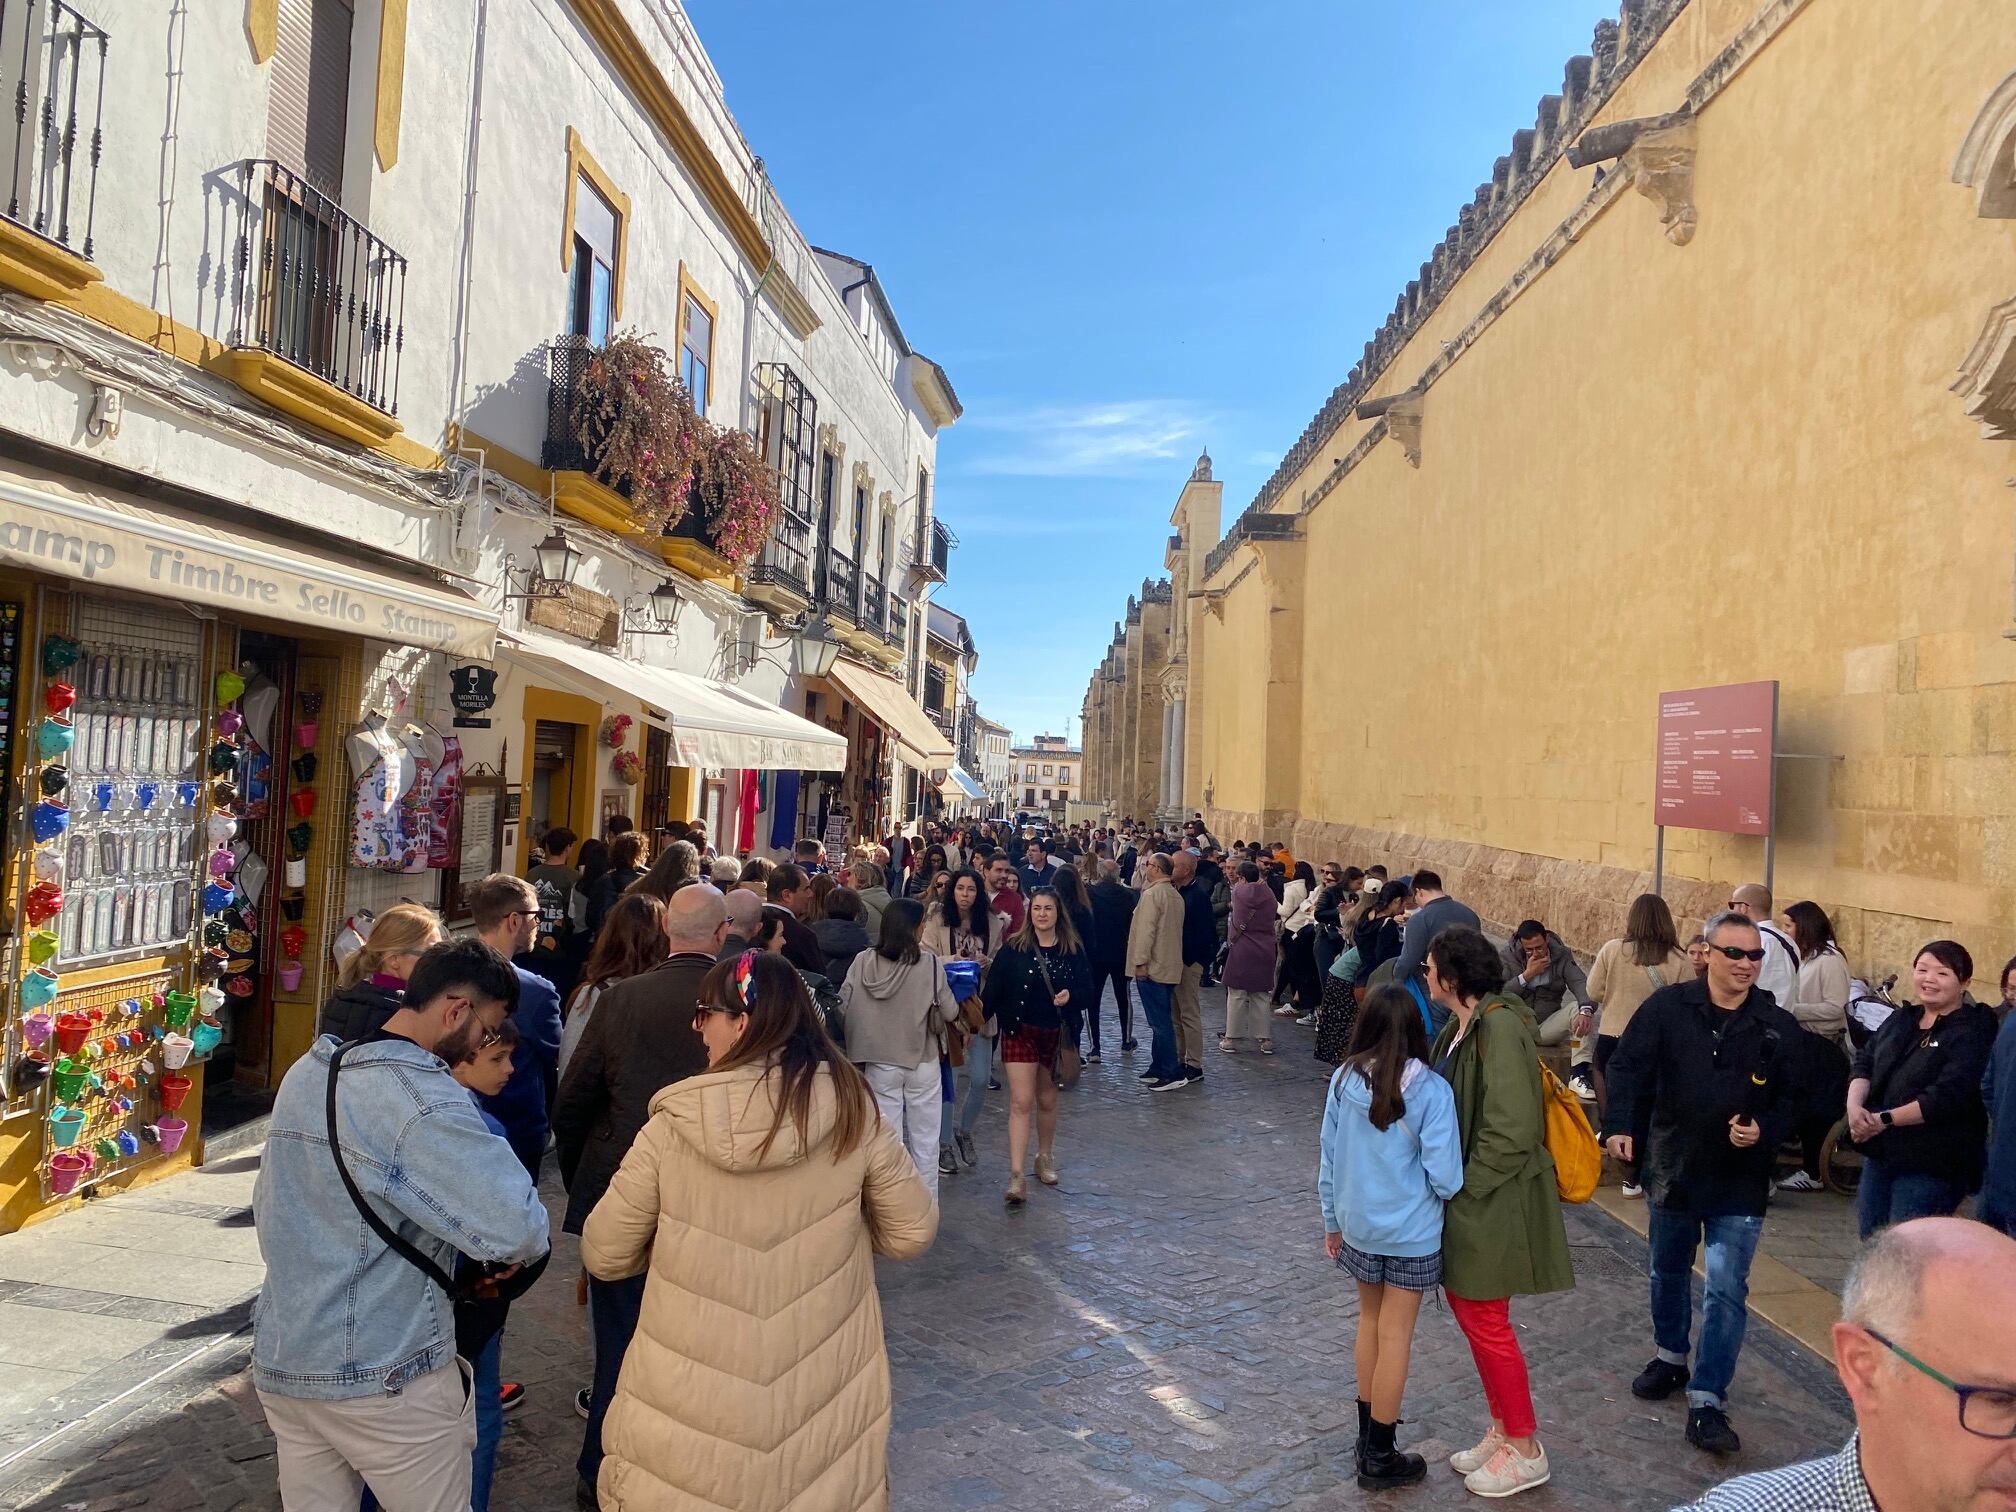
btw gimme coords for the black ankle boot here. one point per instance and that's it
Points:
(1364, 1434)
(1383, 1466)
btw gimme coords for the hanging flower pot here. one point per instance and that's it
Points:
(230, 687)
(628, 769)
(294, 872)
(171, 1130)
(68, 1079)
(38, 988)
(290, 976)
(305, 733)
(223, 758)
(52, 780)
(294, 909)
(58, 696)
(43, 903)
(65, 1124)
(220, 828)
(302, 802)
(229, 722)
(179, 1009)
(59, 652)
(305, 766)
(48, 821)
(616, 729)
(66, 1169)
(38, 1028)
(43, 945)
(72, 1029)
(173, 1087)
(53, 737)
(209, 999)
(299, 837)
(175, 1051)
(216, 897)
(222, 864)
(205, 1037)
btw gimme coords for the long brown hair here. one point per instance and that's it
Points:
(1649, 931)
(1388, 1034)
(787, 1036)
(1068, 940)
(675, 866)
(633, 940)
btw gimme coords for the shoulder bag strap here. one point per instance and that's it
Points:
(383, 1230)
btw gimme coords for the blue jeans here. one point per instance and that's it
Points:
(1158, 1002)
(613, 1307)
(963, 1112)
(1732, 1244)
(1886, 1197)
(488, 1384)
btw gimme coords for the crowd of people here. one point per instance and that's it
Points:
(755, 1072)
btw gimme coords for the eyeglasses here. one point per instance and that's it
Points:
(701, 1015)
(1985, 1411)
(526, 913)
(1737, 905)
(1736, 953)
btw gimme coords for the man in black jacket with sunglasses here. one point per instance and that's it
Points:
(1702, 1091)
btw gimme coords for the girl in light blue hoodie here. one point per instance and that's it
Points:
(1390, 1158)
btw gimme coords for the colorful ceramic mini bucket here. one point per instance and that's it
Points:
(171, 1129)
(65, 1171)
(175, 1051)
(174, 1087)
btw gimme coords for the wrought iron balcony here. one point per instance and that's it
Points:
(58, 78)
(841, 590)
(566, 363)
(316, 287)
(872, 598)
(787, 556)
(897, 630)
(934, 553)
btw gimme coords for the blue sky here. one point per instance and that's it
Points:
(1127, 231)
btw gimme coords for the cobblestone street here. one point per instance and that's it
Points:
(1162, 1331)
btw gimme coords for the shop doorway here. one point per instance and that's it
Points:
(553, 798)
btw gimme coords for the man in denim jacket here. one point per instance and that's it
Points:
(353, 1349)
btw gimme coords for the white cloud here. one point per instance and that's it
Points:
(1090, 440)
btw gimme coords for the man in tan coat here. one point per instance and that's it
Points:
(1155, 960)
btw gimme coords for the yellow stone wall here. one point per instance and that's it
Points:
(1667, 466)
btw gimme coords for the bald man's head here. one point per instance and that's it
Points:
(1182, 867)
(1753, 898)
(694, 917)
(744, 909)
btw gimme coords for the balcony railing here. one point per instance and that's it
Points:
(841, 590)
(871, 602)
(934, 553)
(787, 555)
(48, 180)
(316, 287)
(566, 362)
(897, 631)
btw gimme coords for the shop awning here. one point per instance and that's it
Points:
(109, 540)
(897, 712)
(713, 724)
(961, 780)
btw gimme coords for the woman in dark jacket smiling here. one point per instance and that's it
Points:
(1036, 979)
(1914, 1104)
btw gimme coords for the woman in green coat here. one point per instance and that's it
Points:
(1501, 1234)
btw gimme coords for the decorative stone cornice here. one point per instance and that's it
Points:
(863, 478)
(1402, 414)
(1987, 380)
(1987, 160)
(1661, 164)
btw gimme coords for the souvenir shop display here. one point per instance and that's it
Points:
(405, 795)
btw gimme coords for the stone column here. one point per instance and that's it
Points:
(1168, 725)
(1176, 759)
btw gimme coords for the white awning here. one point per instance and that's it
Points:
(897, 712)
(960, 778)
(113, 540)
(713, 724)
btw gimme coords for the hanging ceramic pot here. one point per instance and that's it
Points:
(294, 872)
(216, 896)
(58, 696)
(59, 652)
(43, 945)
(43, 903)
(37, 1029)
(229, 722)
(128, 1142)
(230, 686)
(290, 976)
(204, 1036)
(171, 1129)
(223, 758)
(48, 821)
(293, 940)
(305, 767)
(222, 864)
(53, 780)
(299, 837)
(302, 802)
(66, 1169)
(53, 737)
(294, 909)
(209, 999)
(49, 864)
(38, 988)
(220, 828)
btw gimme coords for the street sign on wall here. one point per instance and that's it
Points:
(1715, 755)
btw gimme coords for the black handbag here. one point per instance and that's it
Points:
(479, 1301)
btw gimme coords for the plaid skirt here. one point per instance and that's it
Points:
(1418, 1273)
(1029, 1046)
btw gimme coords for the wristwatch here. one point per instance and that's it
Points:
(1889, 1119)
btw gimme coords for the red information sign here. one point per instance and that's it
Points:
(1715, 752)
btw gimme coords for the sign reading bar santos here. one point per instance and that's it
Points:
(113, 543)
(1715, 754)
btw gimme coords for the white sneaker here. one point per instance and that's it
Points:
(1284, 1011)
(1800, 1181)
(1508, 1473)
(1582, 1087)
(1464, 1461)
(1632, 1192)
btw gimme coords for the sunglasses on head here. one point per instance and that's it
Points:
(1737, 953)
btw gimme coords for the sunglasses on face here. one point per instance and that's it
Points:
(701, 1015)
(1736, 953)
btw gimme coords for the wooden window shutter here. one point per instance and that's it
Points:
(308, 90)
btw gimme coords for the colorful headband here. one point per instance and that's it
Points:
(745, 986)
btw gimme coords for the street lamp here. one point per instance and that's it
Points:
(555, 561)
(658, 614)
(816, 647)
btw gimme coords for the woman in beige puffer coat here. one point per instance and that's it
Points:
(755, 1200)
